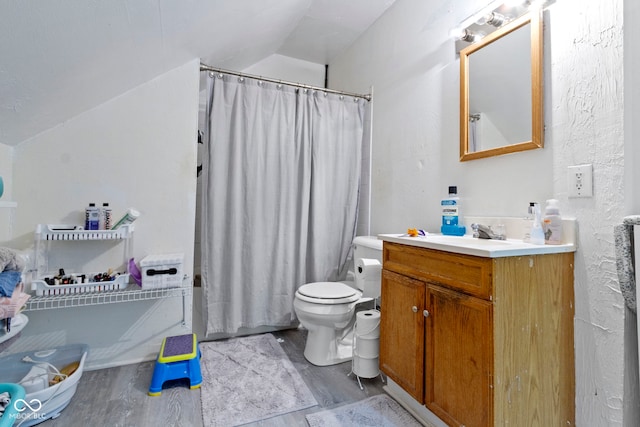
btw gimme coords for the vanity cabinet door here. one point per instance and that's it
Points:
(402, 332)
(459, 358)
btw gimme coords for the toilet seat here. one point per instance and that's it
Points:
(328, 293)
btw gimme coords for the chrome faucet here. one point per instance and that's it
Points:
(485, 232)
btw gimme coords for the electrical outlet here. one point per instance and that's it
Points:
(580, 181)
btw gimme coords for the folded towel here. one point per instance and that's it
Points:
(624, 247)
(8, 282)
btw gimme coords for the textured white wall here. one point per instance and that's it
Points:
(410, 60)
(586, 79)
(136, 150)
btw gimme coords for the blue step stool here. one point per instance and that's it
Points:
(179, 358)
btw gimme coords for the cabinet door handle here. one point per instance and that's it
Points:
(426, 313)
(415, 309)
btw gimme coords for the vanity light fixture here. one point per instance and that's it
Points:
(491, 17)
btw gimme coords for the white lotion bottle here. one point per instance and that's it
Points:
(528, 223)
(537, 234)
(552, 223)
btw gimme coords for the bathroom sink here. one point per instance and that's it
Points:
(479, 247)
(466, 240)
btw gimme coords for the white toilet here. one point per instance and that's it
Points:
(327, 309)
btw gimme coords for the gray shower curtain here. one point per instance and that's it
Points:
(280, 182)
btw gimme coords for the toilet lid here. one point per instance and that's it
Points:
(330, 292)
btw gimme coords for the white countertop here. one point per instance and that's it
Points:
(479, 247)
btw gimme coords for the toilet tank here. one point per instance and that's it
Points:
(367, 247)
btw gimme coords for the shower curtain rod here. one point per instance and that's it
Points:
(204, 67)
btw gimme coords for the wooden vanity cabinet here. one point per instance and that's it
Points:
(480, 341)
(402, 332)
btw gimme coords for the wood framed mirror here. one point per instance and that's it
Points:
(501, 91)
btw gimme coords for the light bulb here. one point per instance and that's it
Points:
(494, 18)
(457, 33)
(471, 37)
(535, 4)
(497, 19)
(484, 18)
(515, 3)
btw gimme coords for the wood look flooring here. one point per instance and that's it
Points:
(118, 396)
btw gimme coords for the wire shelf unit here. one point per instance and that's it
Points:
(131, 293)
(90, 294)
(66, 232)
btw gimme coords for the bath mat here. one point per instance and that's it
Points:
(379, 410)
(248, 379)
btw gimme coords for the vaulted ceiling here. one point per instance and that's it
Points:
(59, 58)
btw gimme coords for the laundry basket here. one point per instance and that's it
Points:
(47, 402)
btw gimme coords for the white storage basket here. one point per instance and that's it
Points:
(42, 289)
(162, 271)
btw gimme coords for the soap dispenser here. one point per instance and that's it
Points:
(537, 234)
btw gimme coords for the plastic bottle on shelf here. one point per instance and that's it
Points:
(552, 223)
(128, 218)
(92, 217)
(105, 217)
(451, 222)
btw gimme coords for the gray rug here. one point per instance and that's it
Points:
(248, 379)
(379, 410)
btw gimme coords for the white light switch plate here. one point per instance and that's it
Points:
(580, 181)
